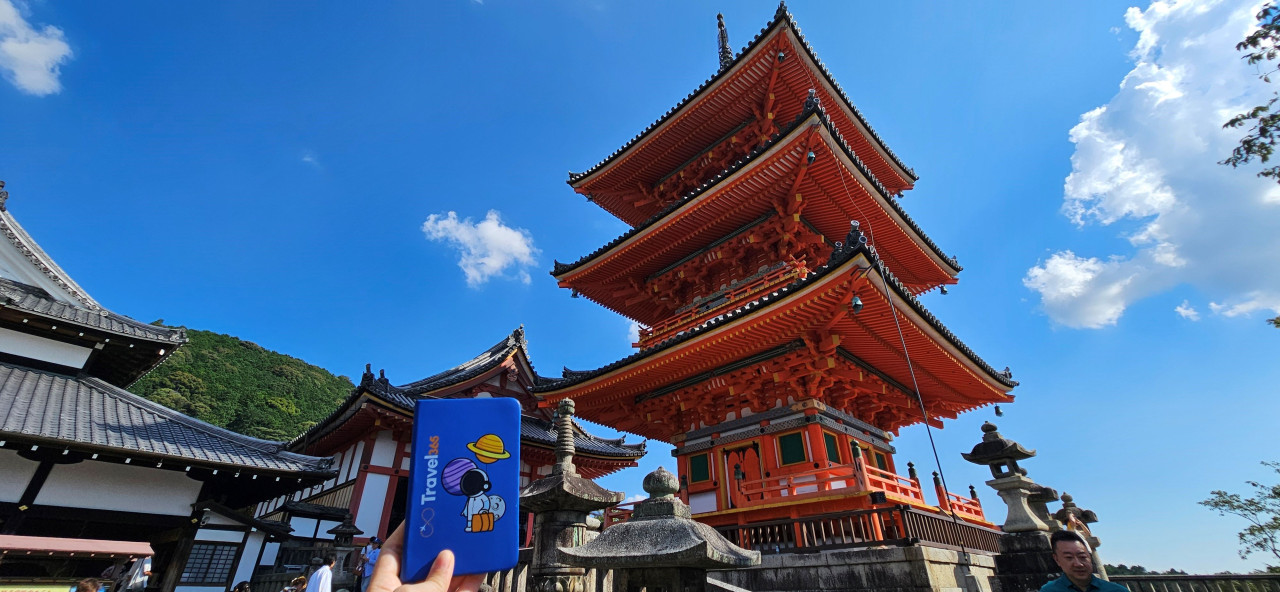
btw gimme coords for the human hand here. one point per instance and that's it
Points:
(386, 572)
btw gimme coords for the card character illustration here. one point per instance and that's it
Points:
(462, 477)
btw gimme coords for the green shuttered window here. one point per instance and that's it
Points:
(833, 450)
(699, 469)
(791, 447)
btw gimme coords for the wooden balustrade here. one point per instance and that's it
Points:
(966, 507)
(1196, 583)
(894, 483)
(617, 514)
(900, 525)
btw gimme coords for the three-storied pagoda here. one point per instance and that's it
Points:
(775, 339)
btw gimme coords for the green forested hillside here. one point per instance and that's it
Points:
(241, 386)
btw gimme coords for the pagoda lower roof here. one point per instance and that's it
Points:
(835, 187)
(948, 372)
(723, 103)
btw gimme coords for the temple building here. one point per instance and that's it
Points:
(370, 431)
(93, 475)
(776, 276)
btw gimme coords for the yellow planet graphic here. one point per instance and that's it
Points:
(489, 448)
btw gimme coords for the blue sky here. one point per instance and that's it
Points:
(286, 173)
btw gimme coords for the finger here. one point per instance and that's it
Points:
(386, 572)
(469, 583)
(437, 579)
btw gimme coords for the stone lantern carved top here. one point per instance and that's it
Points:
(564, 489)
(1070, 510)
(999, 453)
(1043, 495)
(343, 533)
(660, 534)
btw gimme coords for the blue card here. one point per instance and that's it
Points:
(464, 486)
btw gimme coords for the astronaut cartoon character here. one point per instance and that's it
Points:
(464, 478)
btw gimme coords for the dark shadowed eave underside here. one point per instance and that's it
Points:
(89, 413)
(779, 18)
(561, 269)
(767, 300)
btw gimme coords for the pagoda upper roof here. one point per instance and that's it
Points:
(721, 105)
(943, 363)
(91, 415)
(744, 191)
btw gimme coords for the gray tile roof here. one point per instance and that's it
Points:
(36, 301)
(534, 429)
(89, 414)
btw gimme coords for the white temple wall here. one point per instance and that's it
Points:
(15, 474)
(244, 570)
(45, 350)
(384, 450)
(369, 514)
(122, 488)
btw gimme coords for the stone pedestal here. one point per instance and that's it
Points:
(1015, 491)
(1025, 562)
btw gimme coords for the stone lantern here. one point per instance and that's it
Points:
(1010, 481)
(1025, 562)
(344, 547)
(660, 549)
(560, 503)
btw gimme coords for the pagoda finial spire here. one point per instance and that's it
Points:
(726, 54)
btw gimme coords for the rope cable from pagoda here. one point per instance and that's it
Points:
(915, 384)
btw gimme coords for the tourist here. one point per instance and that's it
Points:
(297, 584)
(138, 574)
(88, 585)
(241, 587)
(367, 560)
(1072, 554)
(322, 579)
(386, 573)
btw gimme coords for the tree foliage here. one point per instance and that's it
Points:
(1138, 570)
(1263, 122)
(241, 386)
(1262, 511)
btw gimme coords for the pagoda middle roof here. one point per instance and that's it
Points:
(883, 160)
(927, 269)
(608, 377)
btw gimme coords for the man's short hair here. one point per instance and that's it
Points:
(330, 558)
(88, 585)
(1069, 536)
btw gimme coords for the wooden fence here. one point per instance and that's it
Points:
(900, 525)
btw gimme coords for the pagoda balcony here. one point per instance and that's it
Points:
(703, 309)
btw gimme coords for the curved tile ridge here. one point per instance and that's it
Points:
(812, 106)
(779, 17)
(838, 258)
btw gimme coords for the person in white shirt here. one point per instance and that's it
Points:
(322, 580)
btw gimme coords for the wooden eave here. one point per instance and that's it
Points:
(722, 104)
(945, 369)
(835, 191)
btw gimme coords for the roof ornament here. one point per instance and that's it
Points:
(367, 378)
(726, 54)
(782, 10)
(811, 102)
(4, 196)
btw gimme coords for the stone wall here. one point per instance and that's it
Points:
(886, 569)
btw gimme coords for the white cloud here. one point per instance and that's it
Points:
(1186, 311)
(30, 58)
(1146, 164)
(639, 497)
(633, 332)
(311, 159)
(487, 249)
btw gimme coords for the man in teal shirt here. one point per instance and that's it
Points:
(1073, 556)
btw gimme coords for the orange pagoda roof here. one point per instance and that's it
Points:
(768, 81)
(836, 187)
(806, 335)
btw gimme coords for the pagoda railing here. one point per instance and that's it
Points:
(717, 302)
(853, 477)
(900, 525)
(965, 507)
